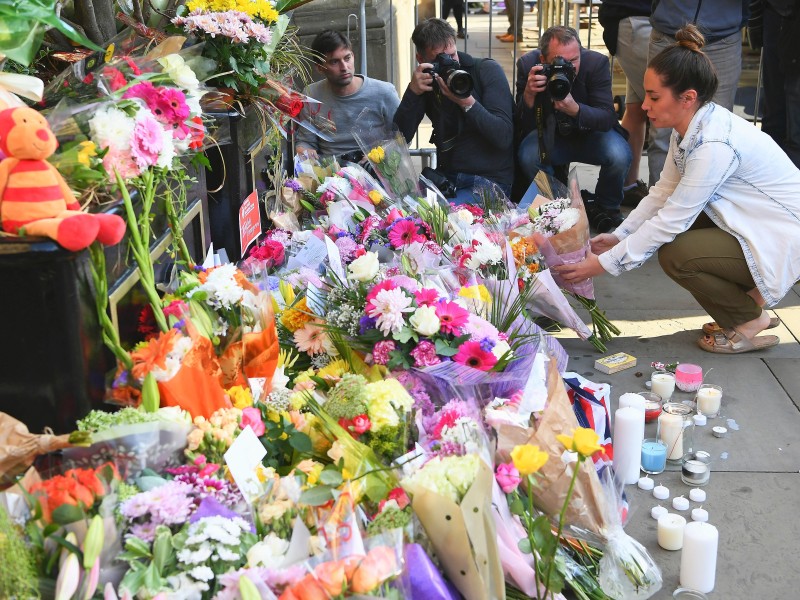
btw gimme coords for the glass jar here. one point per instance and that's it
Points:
(676, 430)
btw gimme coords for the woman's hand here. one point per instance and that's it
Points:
(579, 272)
(603, 242)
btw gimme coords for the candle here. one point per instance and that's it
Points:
(670, 532)
(661, 492)
(719, 431)
(645, 483)
(699, 514)
(652, 406)
(699, 556)
(632, 400)
(680, 503)
(699, 420)
(696, 468)
(657, 512)
(654, 456)
(663, 384)
(709, 400)
(671, 433)
(628, 436)
(688, 377)
(697, 495)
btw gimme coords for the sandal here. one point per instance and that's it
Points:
(730, 341)
(712, 328)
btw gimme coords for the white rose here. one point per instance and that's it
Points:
(465, 216)
(424, 321)
(365, 267)
(267, 553)
(500, 348)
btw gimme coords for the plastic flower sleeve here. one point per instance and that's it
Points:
(422, 580)
(547, 299)
(627, 571)
(387, 152)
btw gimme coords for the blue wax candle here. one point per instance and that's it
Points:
(654, 456)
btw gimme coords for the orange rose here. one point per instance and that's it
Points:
(379, 564)
(308, 589)
(331, 576)
(350, 565)
(89, 480)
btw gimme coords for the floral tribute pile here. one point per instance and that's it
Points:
(365, 406)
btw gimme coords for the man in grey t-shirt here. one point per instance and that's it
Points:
(343, 95)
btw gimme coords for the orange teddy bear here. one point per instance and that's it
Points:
(34, 198)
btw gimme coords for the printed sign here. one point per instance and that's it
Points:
(249, 221)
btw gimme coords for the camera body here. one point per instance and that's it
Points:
(459, 81)
(560, 74)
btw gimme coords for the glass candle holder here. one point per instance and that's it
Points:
(709, 400)
(676, 430)
(663, 384)
(696, 468)
(654, 456)
(652, 406)
(688, 377)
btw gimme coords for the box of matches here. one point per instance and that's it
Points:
(614, 363)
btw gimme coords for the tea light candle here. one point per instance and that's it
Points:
(628, 436)
(661, 492)
(719, 431)
(709, 400)
(658, 511)
(663, 384)
(680, 503)
(696, 468)
(697, 495)
(699, 556)
(645, 483)
(700, 420)
(632, 400)
(670, 532)
(700, 514)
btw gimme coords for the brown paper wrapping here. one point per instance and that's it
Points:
(19, 448)
(586, 508)
(464, 538)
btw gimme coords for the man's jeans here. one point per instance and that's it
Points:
(726, 56)
(607, 149)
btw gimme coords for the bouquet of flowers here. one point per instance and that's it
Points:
(387, 152)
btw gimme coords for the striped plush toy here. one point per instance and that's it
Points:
(34, 198)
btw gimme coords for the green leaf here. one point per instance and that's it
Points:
(317, 496)
(330, 477)
(151, 398)
(524, 546)
(162, 549)
(300, 442)
(405, 334)
(543, 536)
(516, 507)
(137, 547)
(67, 513)
(444, 349)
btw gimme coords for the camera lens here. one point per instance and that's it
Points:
(460, 83)
(559, 86)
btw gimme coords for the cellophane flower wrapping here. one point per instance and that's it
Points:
(387, 152)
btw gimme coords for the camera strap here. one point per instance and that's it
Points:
(545, 129)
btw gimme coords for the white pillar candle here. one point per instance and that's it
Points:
(628, 437)
(680, 503)
(671, 433)
(670, 532)
(645, 483)
(632, 400)
(661, 492)
(709, 400)
(700, 514)
(697, 495)
(663, 384)
(699, 556)
(658, 511)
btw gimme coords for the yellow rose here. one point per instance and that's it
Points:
(240, 396)
(377, 154)
(583, 441)
(528, 459)
(375, 197)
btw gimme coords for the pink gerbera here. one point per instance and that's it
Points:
(472, 355)
(144, 91)
(451, 316)
(311, 339)
(176, 100)
(404, 233)
(426, 296)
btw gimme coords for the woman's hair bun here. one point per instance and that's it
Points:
(689, 37)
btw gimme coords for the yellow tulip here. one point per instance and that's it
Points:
(528, 459)
(583, 441)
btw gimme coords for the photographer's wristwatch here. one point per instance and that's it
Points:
(466, 108)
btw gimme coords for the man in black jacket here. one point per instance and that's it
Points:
(473, 135)
(582, 127)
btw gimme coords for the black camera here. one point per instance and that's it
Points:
(560, 74)
(458, 80)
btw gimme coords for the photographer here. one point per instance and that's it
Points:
(472, 129)
(565, 114)
(343, 95)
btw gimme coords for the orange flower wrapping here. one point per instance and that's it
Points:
(256, 355)
(197, 386)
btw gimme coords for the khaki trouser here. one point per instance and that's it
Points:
(710, 264)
